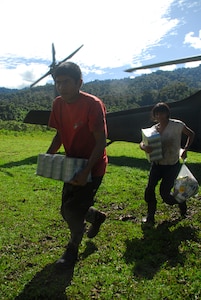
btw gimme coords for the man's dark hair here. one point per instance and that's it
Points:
(70, 69)
(160, 107)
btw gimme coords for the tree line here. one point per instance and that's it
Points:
(117, 94)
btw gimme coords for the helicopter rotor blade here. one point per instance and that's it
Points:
(48, 73)
(53, 64)
(71, 55)
(53, 54)
(166, 63)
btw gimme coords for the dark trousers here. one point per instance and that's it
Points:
(167, 174)
(77, 202)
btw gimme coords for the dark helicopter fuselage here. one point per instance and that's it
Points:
(126, 125)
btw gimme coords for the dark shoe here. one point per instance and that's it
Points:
(183, 209)
(94, 228)
(69, 258)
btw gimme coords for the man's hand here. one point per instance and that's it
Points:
(80, 178)
(183, 154)
(146, 148)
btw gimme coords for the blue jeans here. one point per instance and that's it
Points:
(167, 174)
(77, 207)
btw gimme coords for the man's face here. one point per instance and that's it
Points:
(161, 116)
(68, 88)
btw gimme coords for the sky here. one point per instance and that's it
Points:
(116, 35)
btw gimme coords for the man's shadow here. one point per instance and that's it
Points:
(51, 282)
(48, 284)
(157, 246)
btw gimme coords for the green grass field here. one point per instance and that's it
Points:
(123, 261)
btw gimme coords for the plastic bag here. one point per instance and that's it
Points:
(185, 185)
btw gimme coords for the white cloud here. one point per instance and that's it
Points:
(22, 76)
(192, 64)
(168, 68)
(194, 41)
(114, 34)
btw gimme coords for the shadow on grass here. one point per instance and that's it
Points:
(51, 282)
(32, 160)
(27, 161)
(124, 161)
(48, 284)
(90, 249)
(121, 161)
(157, 247)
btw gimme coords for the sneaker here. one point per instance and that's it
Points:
(69, 258)
(183, 209)
(94, 228)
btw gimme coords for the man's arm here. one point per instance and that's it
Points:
(97, 152)
(190, 137)
(55, 145)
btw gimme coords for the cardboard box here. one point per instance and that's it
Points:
(151, 137)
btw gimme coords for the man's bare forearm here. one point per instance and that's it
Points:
(55, 145)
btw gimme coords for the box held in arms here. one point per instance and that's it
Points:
(151, 137)
(185, 185)
(60, 167)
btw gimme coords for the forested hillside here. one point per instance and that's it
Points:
(121, 94)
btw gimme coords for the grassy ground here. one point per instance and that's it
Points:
(123, 261)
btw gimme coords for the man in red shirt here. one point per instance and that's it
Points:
(80, 123)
